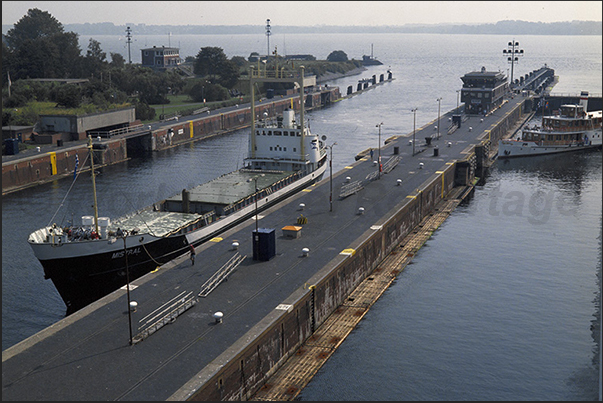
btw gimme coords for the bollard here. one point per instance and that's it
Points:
(133, 306)
(235, 245)
(305, 252)
(399, 182)
(348, 179)
(360, 210)
(218, 317)
(421, 165)
(301, 206)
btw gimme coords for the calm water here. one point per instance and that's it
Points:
(498, 305)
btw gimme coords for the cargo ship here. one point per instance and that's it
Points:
(90, 260)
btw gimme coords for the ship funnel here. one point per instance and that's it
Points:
(288, 118)
(584, 100)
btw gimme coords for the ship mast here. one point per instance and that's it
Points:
(93, 183)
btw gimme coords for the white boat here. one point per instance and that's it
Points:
(571, 129)
(88, 261)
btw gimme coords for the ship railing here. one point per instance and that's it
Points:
(165, 314)
(222, 274)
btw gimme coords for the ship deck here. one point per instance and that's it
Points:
(87, 355)
(232, 187)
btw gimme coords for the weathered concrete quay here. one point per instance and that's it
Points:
(270, 308)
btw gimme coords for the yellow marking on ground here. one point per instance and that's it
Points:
(306, 190)
(216, 239)
(411, 197)
(349, 167)
(348, 252)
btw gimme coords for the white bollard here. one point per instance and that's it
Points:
(235, 245)
(470, 128)
(348, 179)
(133, 306)
(360, 210)
(399, 182)
(218, 317)
(421, 165)
(305, 252)
(449, 144)
(301, 206)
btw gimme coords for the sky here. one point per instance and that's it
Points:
(305, 13)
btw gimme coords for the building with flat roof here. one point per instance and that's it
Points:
(483, 90)
(161, 57)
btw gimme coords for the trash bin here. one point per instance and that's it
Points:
(59, 143)
(270, 93)
(11, 146)
(436, 151)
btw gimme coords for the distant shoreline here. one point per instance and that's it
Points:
(499, 28)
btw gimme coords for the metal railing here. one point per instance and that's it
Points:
(221, 274)
(116, 132)
(165, 314)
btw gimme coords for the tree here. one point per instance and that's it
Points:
(117, 60)
(39, 48)
(337, 56)
(68, 96)
(36, 24)
(209, 61)
(229, 74)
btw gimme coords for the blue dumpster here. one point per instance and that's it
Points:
(11, 146)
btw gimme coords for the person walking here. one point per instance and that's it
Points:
(192, 248)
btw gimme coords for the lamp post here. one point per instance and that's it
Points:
(439, 102)
(127, 284)
(513, 55)
(379, 152)
(331, 178)
(256, 201)
(414, 122)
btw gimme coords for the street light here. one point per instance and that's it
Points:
(255, 179)
(331, 177)
(125, 234)
(414, 122)
(439, 102)
(379, 153)
(513, 55)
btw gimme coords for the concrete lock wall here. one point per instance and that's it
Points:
(241, 371)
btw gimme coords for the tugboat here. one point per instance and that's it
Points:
(88, 261)
(571, 129)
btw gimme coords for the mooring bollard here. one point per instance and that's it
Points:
(218, 317)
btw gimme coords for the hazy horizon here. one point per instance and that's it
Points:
(305, 13)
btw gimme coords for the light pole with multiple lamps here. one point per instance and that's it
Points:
(414, 123)
(379, 152)
(513, 56)
(439, 102)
